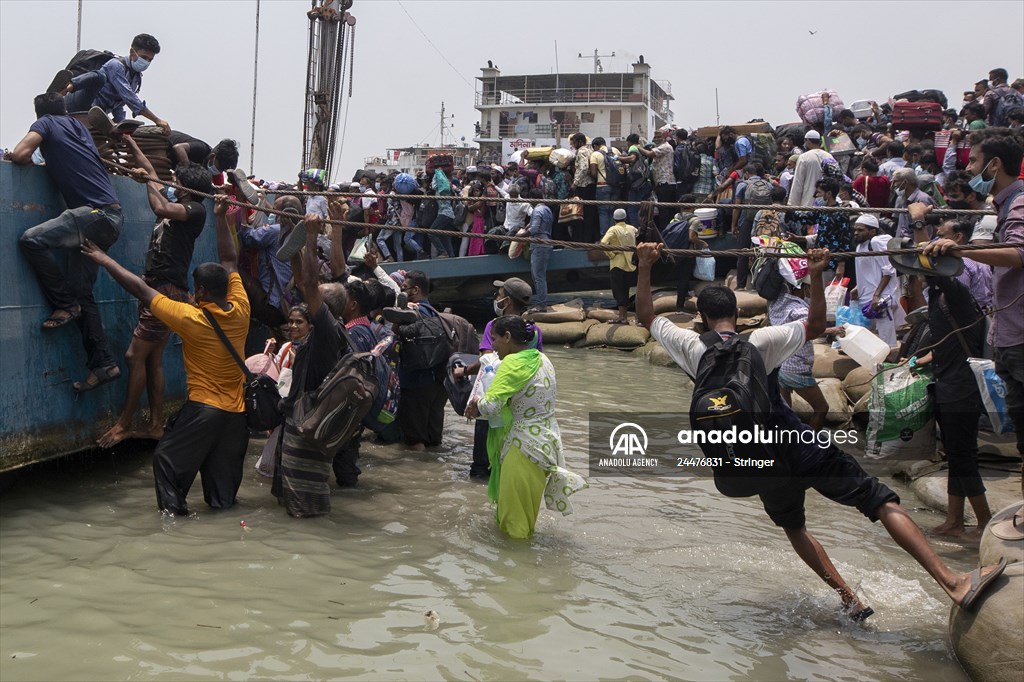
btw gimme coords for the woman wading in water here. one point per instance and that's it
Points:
(525, 450)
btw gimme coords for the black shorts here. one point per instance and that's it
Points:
(830, 471)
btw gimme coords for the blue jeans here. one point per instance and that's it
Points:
(604, 213)
(633, 212)
(443, 244)
(398, 240)
(66, 291)
(87, 86)
(539, 257)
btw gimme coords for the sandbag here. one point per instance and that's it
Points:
(616, 335)
(1002, 538)
(683, 320)
(830, 363)
(665, 302)
(570, 311)
(902, 423)
(986, 639)
(564, 332)
(857, 383)
(839, 410)
(750, 304)
(606, 315)
(659, 357)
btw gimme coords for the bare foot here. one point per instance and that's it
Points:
(152, 433)
(949, 528)
(972, 537)
(113, 436)
(418, 447)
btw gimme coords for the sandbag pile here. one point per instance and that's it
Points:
(603, 334)
(151, 141)
(564, 332)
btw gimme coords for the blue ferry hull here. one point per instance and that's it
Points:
(40, 415)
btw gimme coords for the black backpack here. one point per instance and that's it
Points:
(732, 392)
(426, 214)
(768, 280)
(426, 343)
(639, 174)
(685, 163)
(85, 61)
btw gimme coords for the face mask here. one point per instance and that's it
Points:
(901, 194)
(213, 170)
(499, 306)
(979, 184)
(172, 195)
(139, 64)
(861, 142)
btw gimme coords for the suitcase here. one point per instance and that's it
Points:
(445, 162)
(918, 115)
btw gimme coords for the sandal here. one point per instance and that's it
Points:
(103, 375)
(55, 321)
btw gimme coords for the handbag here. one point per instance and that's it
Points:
(567, 213)
(262, 400)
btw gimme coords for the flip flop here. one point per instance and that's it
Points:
(60, 81)
(978, 584)
(104, 375)
(53, 322)
(100, 122)
(292, 242)
(920, 264)
(862, 615)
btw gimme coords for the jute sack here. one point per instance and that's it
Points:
(606, 315)
(831, 364)
(665, 302)
(616, 335)
(857, 384)
(839, 411)
(570, 311)
(564, 332)
(659, 357)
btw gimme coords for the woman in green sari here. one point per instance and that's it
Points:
(523, 444)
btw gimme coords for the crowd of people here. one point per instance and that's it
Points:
(293, 276)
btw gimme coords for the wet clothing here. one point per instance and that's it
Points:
(205, 440)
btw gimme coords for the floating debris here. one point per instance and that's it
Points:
(431, 620)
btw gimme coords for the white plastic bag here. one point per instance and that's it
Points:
(489, 363)
(704, 267)
(993, 394)
(835, 296)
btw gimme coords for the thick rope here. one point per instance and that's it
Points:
(583, 246)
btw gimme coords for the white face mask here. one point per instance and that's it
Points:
(499, 306)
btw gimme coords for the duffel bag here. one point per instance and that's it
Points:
(920, 115)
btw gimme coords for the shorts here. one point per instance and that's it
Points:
(833, 473)
(149, 327)
(796, 379)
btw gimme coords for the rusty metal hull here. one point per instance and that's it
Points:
(40, 415)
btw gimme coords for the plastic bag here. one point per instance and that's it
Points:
(993, 394)
(704, 267)
(846, 314)
(902, 417)
(835, 296)
(489, 363)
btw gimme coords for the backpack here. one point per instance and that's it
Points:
(638, 174)
(459, 389)
(768, 224)
(85, 61)
(1008, 99)
(331, 415)
(464, 336)
(765, 149)
(830, 170)
(459, 209)
(426, 343)
(614, 171)
(426, 213)
(731, 396)
(768, 280)
(685, 163)
(759, 192)
(385, 407)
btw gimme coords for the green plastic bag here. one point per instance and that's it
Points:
(902, 416)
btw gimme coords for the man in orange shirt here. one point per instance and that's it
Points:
(209, 434)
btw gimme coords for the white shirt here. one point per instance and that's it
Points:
(775, 344)
(517, 214)
(890, 166)
(805, 177)
(871, 270)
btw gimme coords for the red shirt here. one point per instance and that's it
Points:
(877, 190)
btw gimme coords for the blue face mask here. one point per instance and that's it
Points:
(139, 64)
(172, 195)
(213, 170)
(979, 184)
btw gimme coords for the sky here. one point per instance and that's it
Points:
(410, 55)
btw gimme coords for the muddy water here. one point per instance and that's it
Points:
(650, 579)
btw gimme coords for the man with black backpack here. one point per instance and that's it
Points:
(685, 163)
(735, 391)
(753, 191)
(110, 82)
